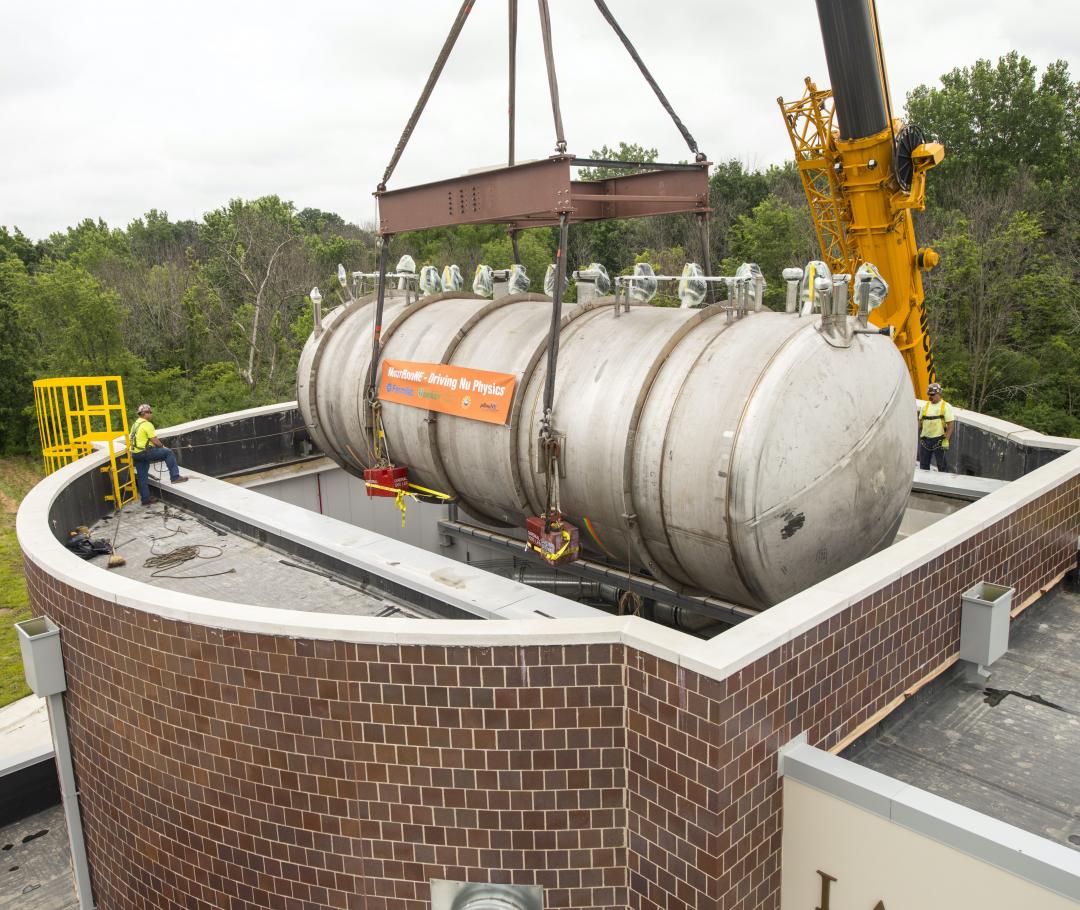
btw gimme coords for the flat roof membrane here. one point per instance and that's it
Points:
(1009, 746)
(231, 567)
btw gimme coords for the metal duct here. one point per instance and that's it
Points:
(746, 458)
(682, 617)
(567, 585)
(847, 30)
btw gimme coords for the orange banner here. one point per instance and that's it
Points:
(461, 391)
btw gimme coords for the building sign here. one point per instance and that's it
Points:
(849, 850)
(461, 391)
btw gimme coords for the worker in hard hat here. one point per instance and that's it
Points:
(146, 448)
(936, 423)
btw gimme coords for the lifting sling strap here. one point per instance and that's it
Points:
(134, 433)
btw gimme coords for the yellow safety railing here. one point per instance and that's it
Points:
(73, 413)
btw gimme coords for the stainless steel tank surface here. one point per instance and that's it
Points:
(745, 457)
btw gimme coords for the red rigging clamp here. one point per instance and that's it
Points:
(385, 481)
(556, 541)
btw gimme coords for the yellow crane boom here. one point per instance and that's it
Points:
(864, 172)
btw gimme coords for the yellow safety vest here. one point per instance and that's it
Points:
(928, 429)
(142, 431)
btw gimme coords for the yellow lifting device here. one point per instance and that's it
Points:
(864, 177)
(74, 413)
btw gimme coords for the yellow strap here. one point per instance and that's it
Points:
(399, 495)
(133, 433)
(426, 492)
(940, 415)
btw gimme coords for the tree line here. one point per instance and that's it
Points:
(203, 317)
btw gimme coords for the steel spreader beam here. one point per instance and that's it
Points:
(537, 193)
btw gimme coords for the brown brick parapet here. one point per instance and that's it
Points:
(241, 769)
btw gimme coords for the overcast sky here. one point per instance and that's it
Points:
(111, 108)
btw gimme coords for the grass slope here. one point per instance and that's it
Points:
(17, 476)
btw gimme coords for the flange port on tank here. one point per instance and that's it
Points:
(385, 481)
(557, 542)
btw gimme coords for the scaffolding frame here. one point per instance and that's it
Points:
(74, 413)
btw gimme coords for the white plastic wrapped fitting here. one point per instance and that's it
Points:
(603, 280)
(879, 287)
(483, 281)
(430, 282)
(692, 289)
(643, 287)
(815, 271)
(549, 280)
(406, 266)
(452, 279)
(519, 280)
(757, 286)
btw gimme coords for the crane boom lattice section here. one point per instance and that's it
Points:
(810, 122)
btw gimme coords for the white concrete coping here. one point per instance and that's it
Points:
(1037, 859)
(472, 589)
(961, 486)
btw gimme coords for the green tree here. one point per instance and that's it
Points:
(76, 325)
(734, 191)
(536, 254)
(260, 271)
(614, 243)
(87, 243)
(998, 119)
(625, 152)
(775, 235)
(155, 240)
(16, 394)
(997, 315)
(668, 261)
(21, 246)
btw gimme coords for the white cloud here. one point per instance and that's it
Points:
(113, 108)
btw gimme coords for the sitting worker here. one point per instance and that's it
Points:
(147, 448)
(935, 429)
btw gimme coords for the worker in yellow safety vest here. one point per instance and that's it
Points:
(936, 422)
(147, 448)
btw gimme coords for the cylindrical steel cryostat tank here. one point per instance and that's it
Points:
(746, 457)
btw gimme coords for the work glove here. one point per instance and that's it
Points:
(945, 444)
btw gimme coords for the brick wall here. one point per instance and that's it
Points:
(228, 769)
